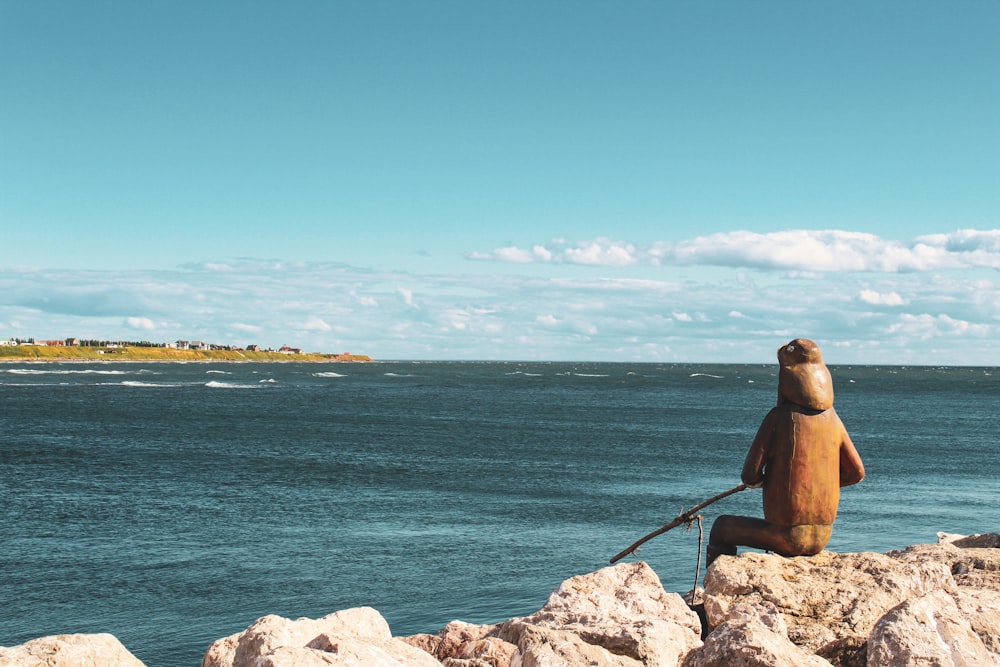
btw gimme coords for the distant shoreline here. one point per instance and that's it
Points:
(54, 354)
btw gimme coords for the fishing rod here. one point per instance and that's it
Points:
(682, 518)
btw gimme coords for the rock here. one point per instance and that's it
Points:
(752, 636)
(69, 651)
(845, 652)
(466, 644)
(971, 567)
(927, 630)
(822, 598)
(981, 541)
(982, 609)
(357, 636)
(539, 646)
(621, 609)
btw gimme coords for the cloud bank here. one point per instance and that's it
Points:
(798, 250)
(933, 300)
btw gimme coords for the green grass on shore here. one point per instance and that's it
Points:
(61, 353)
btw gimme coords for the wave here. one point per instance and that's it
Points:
(590, 375)
(137, 383)
(218, 372)
(399, 375)
(232, 385)
(525, 374)
(329, 374)
(706, 375)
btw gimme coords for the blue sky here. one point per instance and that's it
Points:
(638, 181)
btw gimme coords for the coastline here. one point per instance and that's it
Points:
(46, 354)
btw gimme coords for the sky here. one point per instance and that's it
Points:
(471, 180)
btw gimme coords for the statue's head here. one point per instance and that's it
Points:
(803, 378)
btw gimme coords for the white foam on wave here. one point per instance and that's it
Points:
(399, 375)
(329, 374)
(137, 383)
(218, 372)
(706, 375)
(214, 384)
(267, 381)
(591, 375)
(525, 374)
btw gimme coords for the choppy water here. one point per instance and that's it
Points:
(173, 504)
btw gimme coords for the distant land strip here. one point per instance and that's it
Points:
(9, 353)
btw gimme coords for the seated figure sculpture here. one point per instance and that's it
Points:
(801, 456)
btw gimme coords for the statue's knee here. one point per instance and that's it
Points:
(723, 528)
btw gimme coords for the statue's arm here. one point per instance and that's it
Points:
(852, 470)
(753, 466)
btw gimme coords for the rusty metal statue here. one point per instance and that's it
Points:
(801, 456)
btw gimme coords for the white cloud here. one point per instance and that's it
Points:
(216, 266)
(880, 299)
(314, 323)
(542, 253)
(806, 250)
(142, 323)
(548, 320)
(601, 252)
(406, 294)
(926, 326)
(509, 254)
(803, 250)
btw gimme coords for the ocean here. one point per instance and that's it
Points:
(173, 504)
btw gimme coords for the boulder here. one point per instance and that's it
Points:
(982, 609)
(752, 636)
(539, 646)
(622, 610)
(979, 540)
(927, 630)
(822, 598)
(464, 644)
(972, 566)
(69, 651)
(358, 636)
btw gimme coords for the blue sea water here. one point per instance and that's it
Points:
(173, 504)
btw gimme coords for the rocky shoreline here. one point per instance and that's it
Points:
(929, 604)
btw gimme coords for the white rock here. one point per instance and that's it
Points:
(753, 636)
(77, 650)
(358, 636)
(927, 630)
(622, 609)
(550, 647)
(822, 598)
